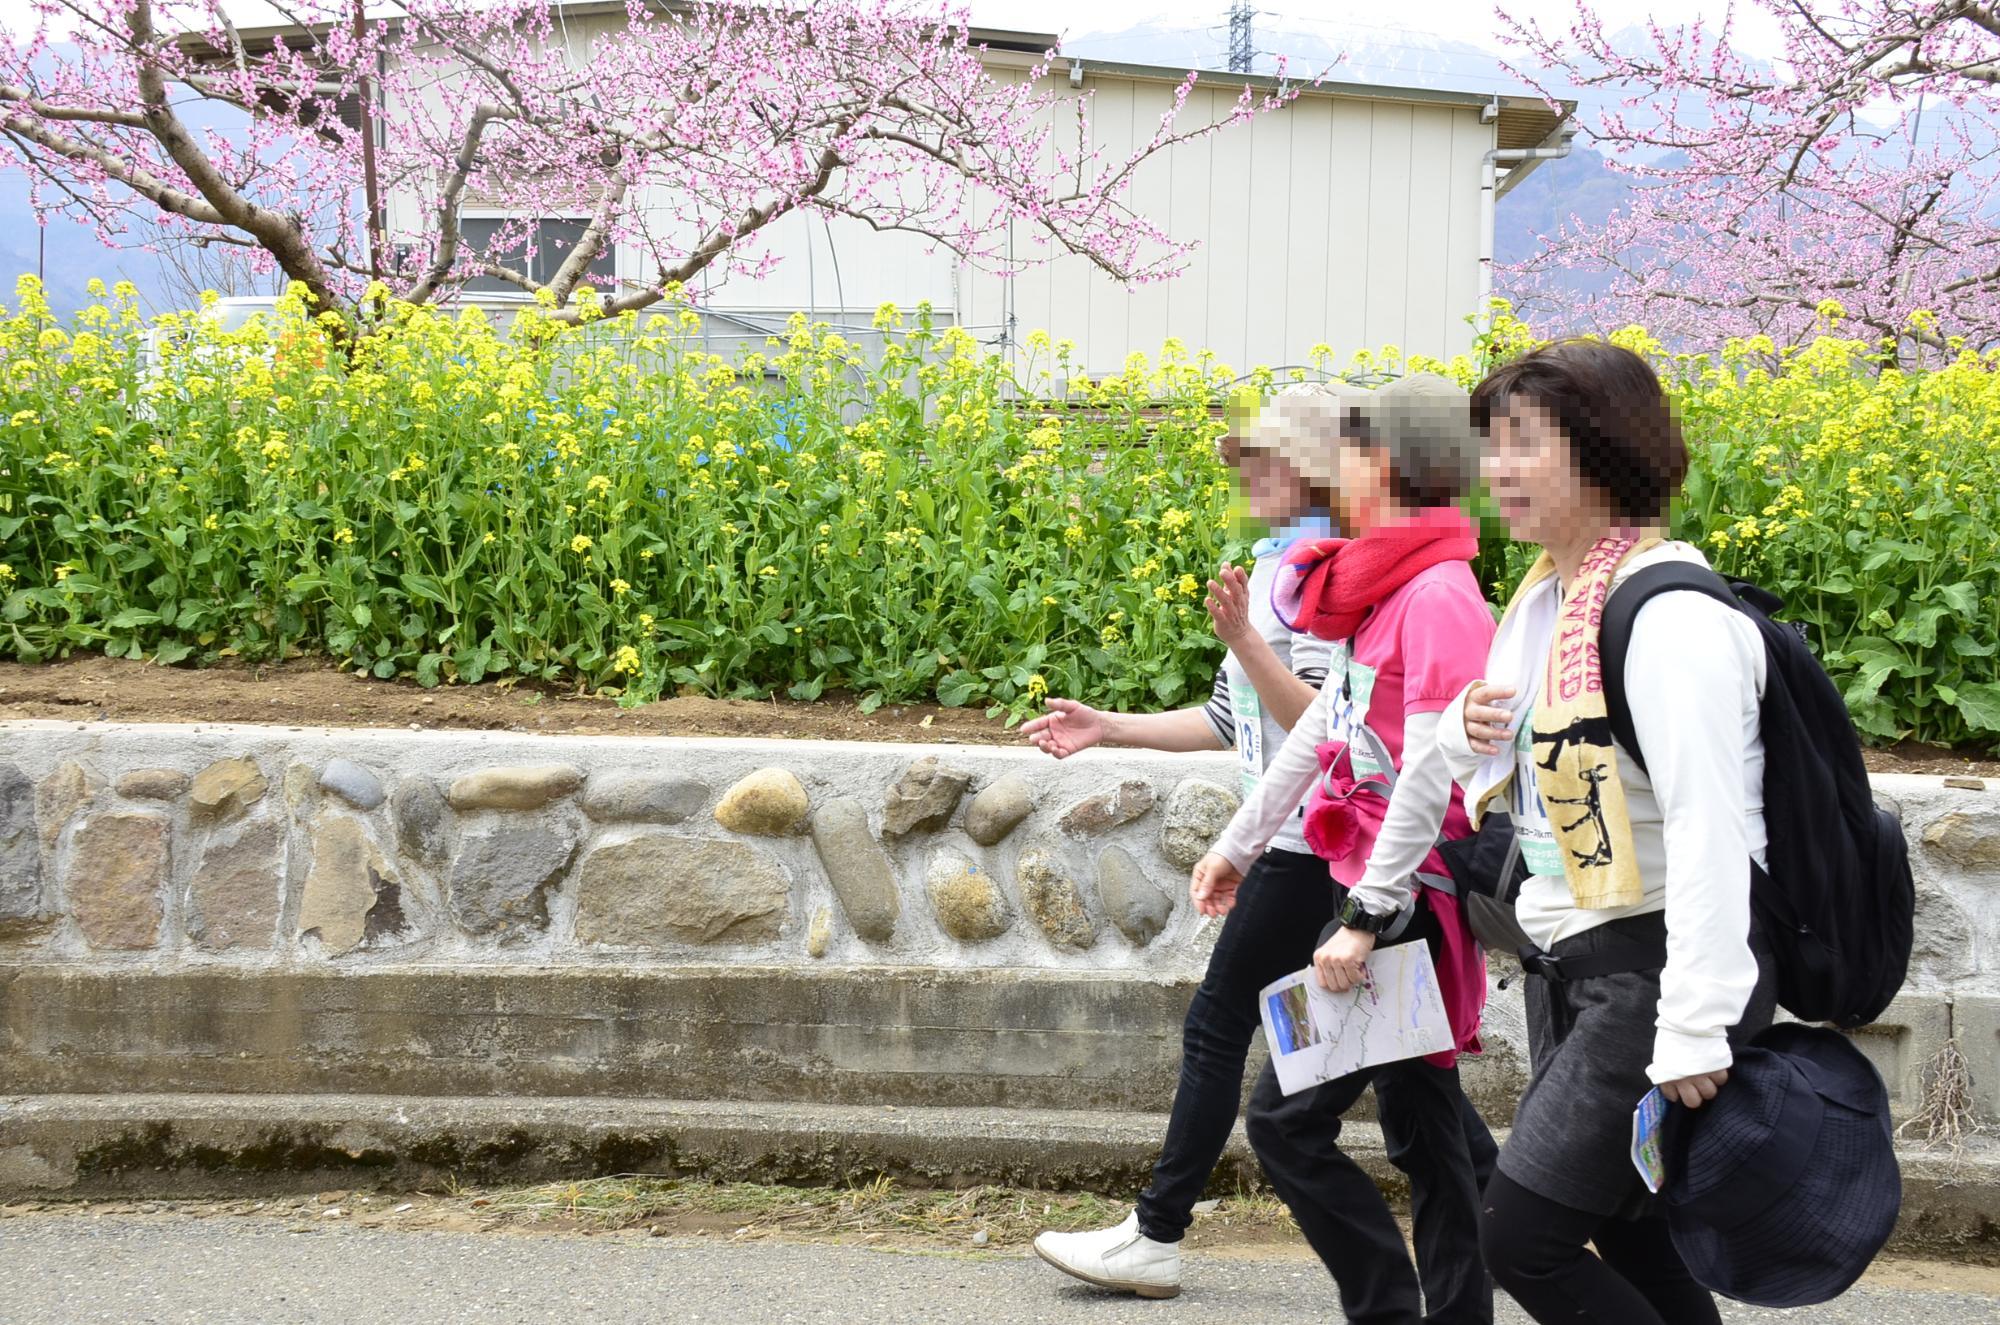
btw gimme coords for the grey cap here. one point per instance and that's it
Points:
(1424, 422)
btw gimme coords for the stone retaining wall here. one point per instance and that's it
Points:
(258, 845)
(992, 926)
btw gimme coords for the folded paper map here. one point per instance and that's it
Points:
(1316, 1035)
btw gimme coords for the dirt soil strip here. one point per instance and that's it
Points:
(313, 693)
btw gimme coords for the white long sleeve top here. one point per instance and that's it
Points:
(1694, 675)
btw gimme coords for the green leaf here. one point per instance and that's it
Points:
(957, 689)
(423, 586)
(1979, 705)
(807, 691)
(385, 669)
(870, 702)
(1962, 598)
(133, 616)
(169, 654)
(1895, 549)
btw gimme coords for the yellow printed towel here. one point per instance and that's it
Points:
(1576, 765)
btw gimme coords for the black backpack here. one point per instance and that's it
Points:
(1837, 904)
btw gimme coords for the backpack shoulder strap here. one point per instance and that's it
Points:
(1614, 638)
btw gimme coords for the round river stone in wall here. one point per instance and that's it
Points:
(154, 784)
(642, 798)
(525, 788)
(1196, 814)
(351, 782)
(769, 803)
(1138, 906)
(1051, 897)
(1108, 810)
(858, 868)
(999, 809)
(966, 898)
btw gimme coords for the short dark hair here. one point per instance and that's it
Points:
(1623, 437)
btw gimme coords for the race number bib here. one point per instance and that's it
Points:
(1248, 711)
(1539, 848)
(1348, 709)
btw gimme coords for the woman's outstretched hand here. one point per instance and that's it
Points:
(1066, 728)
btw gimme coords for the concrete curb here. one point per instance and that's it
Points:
(194, 1145)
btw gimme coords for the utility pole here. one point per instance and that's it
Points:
(1242, 49)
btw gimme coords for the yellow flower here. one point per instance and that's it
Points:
(1073, 534)
(6, 572)
(1189, 586)
(1037, 687)
(63, 572)
(645, 554)
(626, 662)
(1175, 520)
(580, 544)
(490, 538)
(1109, 636)
(768, 570)
(598, 483)
(211, 523)
(619, 586)
(343, 535)
(1048, 601)
(646, 622)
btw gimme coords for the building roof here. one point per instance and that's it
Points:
(1521, 121)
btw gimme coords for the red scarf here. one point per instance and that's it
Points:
(1327, 586)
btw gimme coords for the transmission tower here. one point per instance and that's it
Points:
(1242, 49)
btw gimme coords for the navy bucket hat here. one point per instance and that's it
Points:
(1783, 1188)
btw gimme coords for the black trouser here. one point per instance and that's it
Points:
(1536, 1247)
(1283, 903)
(1432, 1133)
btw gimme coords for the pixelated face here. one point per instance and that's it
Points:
(1273, 489)
(1364, 498)
(1528, 469)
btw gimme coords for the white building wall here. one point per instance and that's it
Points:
(1341, 219)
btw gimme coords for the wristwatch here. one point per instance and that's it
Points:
(1355, 916)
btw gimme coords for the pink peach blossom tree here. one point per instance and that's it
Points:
(1859, 167)
(683, 133)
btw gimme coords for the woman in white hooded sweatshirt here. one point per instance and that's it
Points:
(1640, 877)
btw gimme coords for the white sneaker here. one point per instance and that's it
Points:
(1121, 1258)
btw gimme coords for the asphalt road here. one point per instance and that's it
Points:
(55, 1270)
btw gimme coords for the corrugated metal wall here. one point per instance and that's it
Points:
(1345, 220)
(1339, 220)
